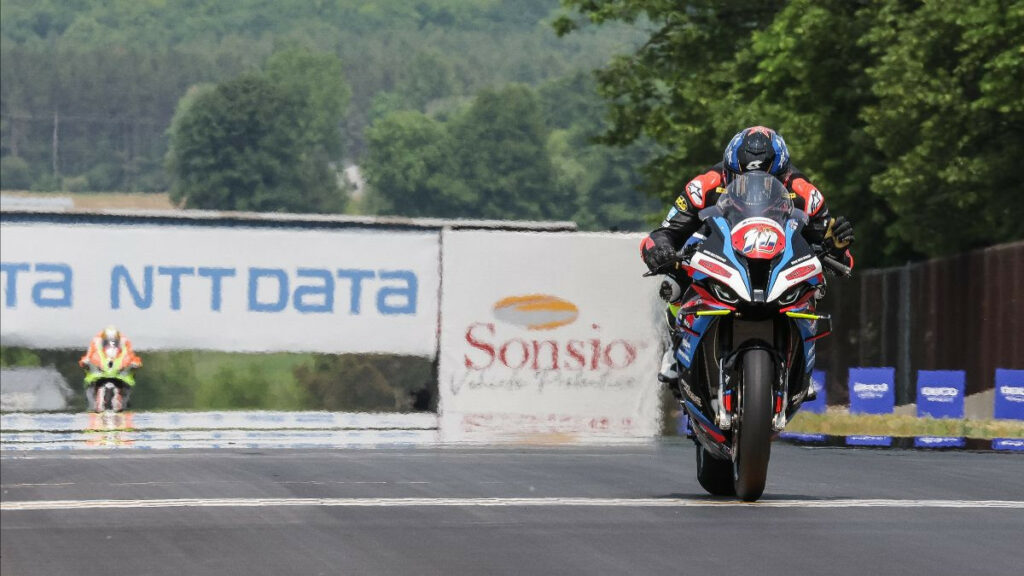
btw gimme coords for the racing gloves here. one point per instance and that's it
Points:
(839, 235)
(659, 256)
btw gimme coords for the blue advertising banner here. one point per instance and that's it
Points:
(1010, 444)
(1009, 394)
(817, 406)
(940, 393)
(683, 425)
(872, 390)
(803, 437)
(861, 440)
(939, 442)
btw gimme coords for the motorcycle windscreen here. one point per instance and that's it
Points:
(755, 195)
(756, 205)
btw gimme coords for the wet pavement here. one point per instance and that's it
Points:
(264, 429)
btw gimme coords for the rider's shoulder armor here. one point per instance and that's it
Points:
(703, 190)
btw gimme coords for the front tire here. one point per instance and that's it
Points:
(753, 435)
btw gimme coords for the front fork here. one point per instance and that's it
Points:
(728, 358)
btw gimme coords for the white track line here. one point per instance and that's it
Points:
(498, 502)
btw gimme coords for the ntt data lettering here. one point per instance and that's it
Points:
(262, 290)
(48, 284)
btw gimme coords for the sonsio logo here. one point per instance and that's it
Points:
(539, 312)
(1012, 393)
(940, 393)
(536, 311)
(870, 390)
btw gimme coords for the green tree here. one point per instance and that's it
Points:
(407, 165)
(948, 121)
(318, 81)
(15, 173)
(669, 88)
(501, 160)
(241, 146)
(604, 181)
(347, 382)
(490, 161)
(805, 75)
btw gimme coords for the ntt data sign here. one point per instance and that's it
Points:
(547, 335)
(232, 289)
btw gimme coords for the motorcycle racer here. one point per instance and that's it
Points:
(751, 149)
(756, 148)
(104, 347)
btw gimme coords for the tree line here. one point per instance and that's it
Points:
(908, 114)
(89, 89)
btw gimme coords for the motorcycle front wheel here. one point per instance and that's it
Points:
(752, 437)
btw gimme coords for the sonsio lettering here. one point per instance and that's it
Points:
(489, 350)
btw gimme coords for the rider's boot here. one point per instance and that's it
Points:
(669, 373)
(812, 390)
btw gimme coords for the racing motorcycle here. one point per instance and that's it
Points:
(108, 384)
(744, 332)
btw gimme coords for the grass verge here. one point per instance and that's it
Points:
(843, 424)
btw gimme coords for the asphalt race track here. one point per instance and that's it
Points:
(511, 510)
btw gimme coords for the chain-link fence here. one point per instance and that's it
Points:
(963, 312)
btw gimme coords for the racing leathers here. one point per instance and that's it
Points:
(95, 354)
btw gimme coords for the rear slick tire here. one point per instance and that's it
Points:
(714, 474)
(754, 443)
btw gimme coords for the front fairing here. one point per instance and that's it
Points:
(755, 283)
(112, 366)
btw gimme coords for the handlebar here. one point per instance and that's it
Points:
(836, 266)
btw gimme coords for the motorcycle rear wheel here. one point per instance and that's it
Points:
(752, 437)
(714, 474)
(108, 398)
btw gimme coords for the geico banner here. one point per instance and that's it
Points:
(940, 393)
(231, 289)
(872, 390)
(1009, 401)
(547, 335)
